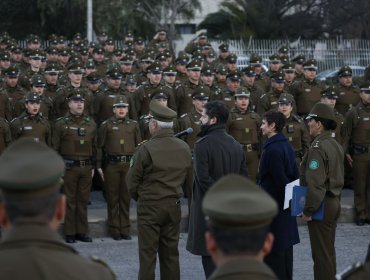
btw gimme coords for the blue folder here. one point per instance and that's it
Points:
(299, 200)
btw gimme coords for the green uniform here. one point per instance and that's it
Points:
(184, 101)
(5, 134)
(269, 101)
(306, 94)
(75, 140)
(348, 97)
(245, 127)
(43, 255)
(256, 93)
(16, 95)
(117, 138)
(357, 144)
(322, 172)
(296, 132)
(156, 174)
(243, 269)
(5, 107)
(36, 127)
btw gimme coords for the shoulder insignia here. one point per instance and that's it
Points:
(104, 122)
(313, 164)
(263, 95)
(183, 115)
(297, 118)
(315, 144)
(142, 142)
(13, 120)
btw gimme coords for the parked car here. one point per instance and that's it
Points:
(331, 74)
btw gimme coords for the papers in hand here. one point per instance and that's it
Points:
(289, 192)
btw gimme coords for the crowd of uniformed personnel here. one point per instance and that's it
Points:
(39, 84)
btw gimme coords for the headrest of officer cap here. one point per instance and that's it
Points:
(311, 63)
(155, 67)
(30, 166)
(223, 47)
(330, 92)
(278, 77)
(255, 59)
(207, 70)
(274, 57)
(77, 66)
(38, 79)
(242, 91)
(32, 96)
(288, 67)
(249, 71)
(323, 111)
(169, 69)
(12, 71)
(286, 98)
(299, 58)
(194, 65)
(236, 202)
(159, 93)
(365, 86)
(232, 58)
(93, 78)
(120, 101)
(345, 71)
(201, 92)
(161, 112)
(76, 94)
(233, 75)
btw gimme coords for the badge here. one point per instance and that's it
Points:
(314, 164)
(114, 127)
(239, 119)
(290, 139)
(366, 119)
(247, 130)
(273, 102)
(307, 90)
(121, 141)
(227, 99)
(82, 142)
(27, 128)
(333, 134)
(342, 93)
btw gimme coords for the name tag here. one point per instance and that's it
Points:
(197, 123)
(333, 134)
(247, 130)
(122, 141)
(189, 94)
(366, 119)
(227, 99)
(115, 128)
(307, 90)
(342, 93)
(73, 128)
(82, 142)
(273, 102)
(111, 96)
(27, 127)
(239, 119)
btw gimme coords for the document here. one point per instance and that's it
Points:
(299, 200)
(289, 192)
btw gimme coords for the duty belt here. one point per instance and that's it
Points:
(79, 163)
(359, 149)
(118, 158)
(250, 147)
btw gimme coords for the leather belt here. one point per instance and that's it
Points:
(250, 147)
(359, 149)
(78, 163)
(118, 158)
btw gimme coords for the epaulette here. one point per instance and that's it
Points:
(297, 118)
(349, 271)
(142, 142)
(178, 85)
(183, 115)
(87, 118)
(131, 121)
(13, 120)
(262, 95)
(60, 88)
(315, 144)
(95, 259)
(60, 118)
(143, 117)
(104, 122)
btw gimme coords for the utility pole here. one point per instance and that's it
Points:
(89, 30)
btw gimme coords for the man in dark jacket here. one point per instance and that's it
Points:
(215, 154)
(277, 168)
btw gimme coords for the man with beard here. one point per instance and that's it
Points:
(215, 155)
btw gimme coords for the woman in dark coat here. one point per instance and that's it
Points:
(277, 168)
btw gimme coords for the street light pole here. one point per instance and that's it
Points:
(89, 30)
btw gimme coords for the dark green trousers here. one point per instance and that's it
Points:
(158, 232)
(76, 187)
(118, 198)
(361, 186)
(322, 238)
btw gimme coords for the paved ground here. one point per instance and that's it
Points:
(122, 256)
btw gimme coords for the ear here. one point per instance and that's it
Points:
(59, 214)
(211, 244)
(213, 120)
(4, 220)
(267, 245)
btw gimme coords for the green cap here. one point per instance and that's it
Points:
(194, 65)
(38, 79)
(365, 86)
(236, 202)
(160, 112)
(323, 111)
(278, 77)
(345, 71)
(330, 92)
(255, 59)
(310, 64)
(32, 97)
(223, 47)
(221, 69)
(30, 167)
(76, 94)
(286, 98)
(160, 93)
(232, 58)
(299, 59)
(288, 67)
(201, 93)
(120, 101)
(274, 58)
(242, 92)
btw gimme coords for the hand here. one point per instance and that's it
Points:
(306, 218)
(101, 173)
(350, 160)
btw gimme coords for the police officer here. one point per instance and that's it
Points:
(299, 60)
(322, 172)
(244, 126)
(330, 97)
(221, 72)
(248, 81)
(157, 171)
(295, 129)
(289, 75)
(35, 68)
(307, 92)
(31, 238)
(207, 77)
(348, 94)
(357, 148)
(5, 135)
(180, 64)
(262, 79)
(11, 93)
(74, 137)
(232, 84)
(238, 238)
(31, 123)
(51, 75)
(117, 138)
